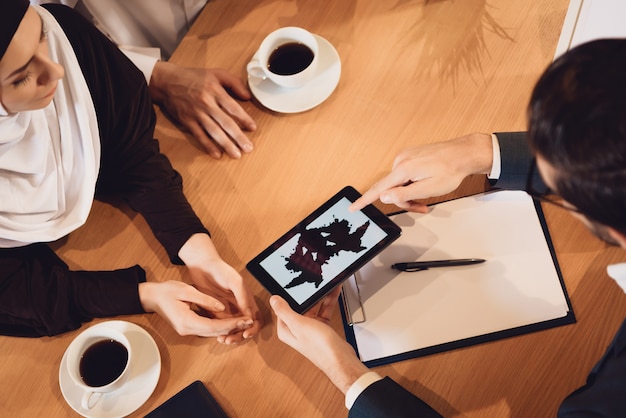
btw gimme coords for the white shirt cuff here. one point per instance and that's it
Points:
(496, 166)
(359, 386)
(144, 58)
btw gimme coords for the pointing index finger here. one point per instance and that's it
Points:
(391, 180)
(369, 197)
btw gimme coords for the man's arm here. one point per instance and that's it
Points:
(335, 357)
(431, 170)
(439, 168)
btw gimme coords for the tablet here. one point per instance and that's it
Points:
(324, 249)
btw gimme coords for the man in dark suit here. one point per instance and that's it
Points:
(577, 144)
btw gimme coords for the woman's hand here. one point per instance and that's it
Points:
(213, 276)
(175, 302)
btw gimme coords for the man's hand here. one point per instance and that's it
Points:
(199, 99)
(430, 170)
(324, 309)
(319, 343)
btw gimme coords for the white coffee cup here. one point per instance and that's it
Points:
(96, 345)
(296, 70)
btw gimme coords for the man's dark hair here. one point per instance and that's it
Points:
(577, 123)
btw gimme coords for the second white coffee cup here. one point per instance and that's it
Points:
(288, 57)
(98, 361)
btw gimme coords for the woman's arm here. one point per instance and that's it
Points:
(40, 295)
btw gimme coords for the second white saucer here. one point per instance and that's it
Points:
(145, 372)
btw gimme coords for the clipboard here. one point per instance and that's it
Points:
(391, 316)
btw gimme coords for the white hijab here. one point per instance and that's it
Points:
(49, 158)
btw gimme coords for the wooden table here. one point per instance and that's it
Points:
(413, 72)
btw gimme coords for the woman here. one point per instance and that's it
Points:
(76, 122)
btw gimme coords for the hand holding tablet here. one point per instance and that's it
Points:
(323, 250)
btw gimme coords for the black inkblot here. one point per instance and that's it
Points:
(316, 246)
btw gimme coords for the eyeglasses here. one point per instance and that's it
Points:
(549, 196)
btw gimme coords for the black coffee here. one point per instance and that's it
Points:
(290, 58)
(103, 362)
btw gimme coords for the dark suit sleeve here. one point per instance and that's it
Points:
(604, 394)
(515, 159)
(387, 398)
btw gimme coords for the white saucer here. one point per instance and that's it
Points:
(145, 372)
(286, 100)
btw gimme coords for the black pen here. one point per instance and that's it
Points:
(423, 265)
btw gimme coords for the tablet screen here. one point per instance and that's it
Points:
(325, 248)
